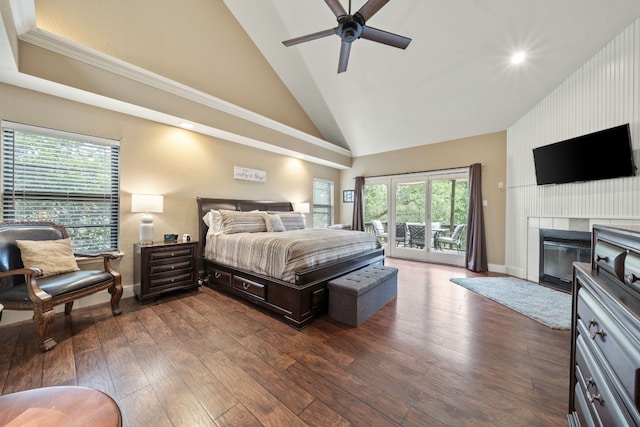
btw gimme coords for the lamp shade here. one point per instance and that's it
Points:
(146, 203)
(301, 207)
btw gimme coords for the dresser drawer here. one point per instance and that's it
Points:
(605, 408)
(620, 349)
(250, 287)
(632, 271)
(610, 258)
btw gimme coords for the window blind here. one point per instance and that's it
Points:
(66, 178)
(322, 203)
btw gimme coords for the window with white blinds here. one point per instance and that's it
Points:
(322, 203)
(66, 178)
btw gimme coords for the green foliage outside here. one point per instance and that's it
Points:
(411, 202)
(68, 182)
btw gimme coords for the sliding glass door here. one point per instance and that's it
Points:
(420, 216)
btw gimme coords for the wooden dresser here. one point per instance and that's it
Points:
(605, 348)
(163, 267)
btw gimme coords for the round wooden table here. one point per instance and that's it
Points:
(59, 406)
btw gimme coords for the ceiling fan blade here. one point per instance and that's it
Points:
(370, 8)
(309, 37)
(385, 37)
(345, 49)
(336, 8)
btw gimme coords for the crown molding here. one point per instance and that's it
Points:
(75, 51)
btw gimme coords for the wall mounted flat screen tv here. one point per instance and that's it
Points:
(600, 155)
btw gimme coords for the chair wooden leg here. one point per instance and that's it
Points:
(67, 307)
(44, 319)
(116, 294)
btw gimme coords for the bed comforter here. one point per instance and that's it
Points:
(281, 254)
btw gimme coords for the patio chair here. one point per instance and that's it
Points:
(378, 228)
(454, 240)
(401, 233)
(416, 235)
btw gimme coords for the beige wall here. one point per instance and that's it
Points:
(198, 43)
(490, 150)
(160, 159)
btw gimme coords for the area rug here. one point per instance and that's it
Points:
(547, 306)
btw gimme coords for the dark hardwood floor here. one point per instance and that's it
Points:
(437, 355)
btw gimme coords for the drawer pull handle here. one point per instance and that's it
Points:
(600, 332)
(173, 267)
(245, 285)
(602, 258)
(593, 397)
(632, 278)
(217, 275)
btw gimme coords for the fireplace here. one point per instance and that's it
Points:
(559, 249)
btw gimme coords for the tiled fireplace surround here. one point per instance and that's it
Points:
(559, 223)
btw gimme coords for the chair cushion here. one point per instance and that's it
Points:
(52, 256)
(59, 284)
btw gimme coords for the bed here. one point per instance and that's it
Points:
(288, 284)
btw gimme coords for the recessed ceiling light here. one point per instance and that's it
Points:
(186, 125)
(518, 58)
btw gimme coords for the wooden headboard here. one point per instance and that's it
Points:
(205, 205)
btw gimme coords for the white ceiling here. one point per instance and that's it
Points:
(454, 80)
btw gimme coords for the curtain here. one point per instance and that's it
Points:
(358, 205)
(476, 254)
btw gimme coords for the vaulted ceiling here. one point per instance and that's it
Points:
(454, 80)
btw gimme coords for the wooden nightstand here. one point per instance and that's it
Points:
(164, 267)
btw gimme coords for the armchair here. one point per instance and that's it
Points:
(27, 285)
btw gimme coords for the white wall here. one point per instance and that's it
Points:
(604, 92)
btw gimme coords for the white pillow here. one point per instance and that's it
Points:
(274, 223)
(213, 219)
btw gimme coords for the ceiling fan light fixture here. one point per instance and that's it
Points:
(349, 30)
(352, 27)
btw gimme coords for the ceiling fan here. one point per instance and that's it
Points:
(352, 27)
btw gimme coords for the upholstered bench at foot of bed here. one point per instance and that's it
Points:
(354, 297)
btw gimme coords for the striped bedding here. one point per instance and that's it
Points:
(280, 255)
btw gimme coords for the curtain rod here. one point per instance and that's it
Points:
(411, 173)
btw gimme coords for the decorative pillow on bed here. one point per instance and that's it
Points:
(213, 219)
(274, 222)
(52, 256)
(243, 222)
(292, 220)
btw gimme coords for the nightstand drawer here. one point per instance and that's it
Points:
(170, 281)
(175, 265)
(169, 253)
(250, 287)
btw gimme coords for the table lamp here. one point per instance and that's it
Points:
(147, 203)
